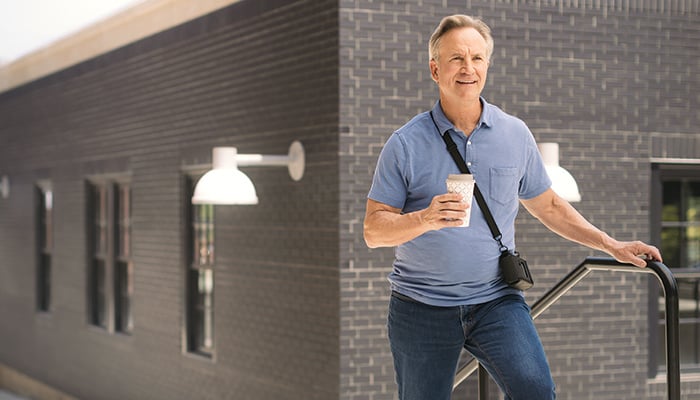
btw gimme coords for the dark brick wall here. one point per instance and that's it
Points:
(256, 75)
(600, 78)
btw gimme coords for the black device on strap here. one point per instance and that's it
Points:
(513, 268)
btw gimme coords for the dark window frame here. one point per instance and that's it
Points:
(667, 174)
(44, 245)
(123, 265)
(199, 338)
(109, 261)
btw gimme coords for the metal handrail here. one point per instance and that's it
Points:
(670, 289)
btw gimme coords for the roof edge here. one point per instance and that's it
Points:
(132, 24)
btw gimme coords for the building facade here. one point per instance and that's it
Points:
(114, 286)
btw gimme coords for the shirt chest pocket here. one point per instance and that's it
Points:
(503, 185)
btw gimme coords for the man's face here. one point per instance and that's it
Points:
(462, 65)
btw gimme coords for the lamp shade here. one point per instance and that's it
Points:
(225, 183)
(563, 183)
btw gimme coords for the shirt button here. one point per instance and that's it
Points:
(469, 164)
(469, 142)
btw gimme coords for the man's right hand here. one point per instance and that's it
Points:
(445, 210)
(386, 226)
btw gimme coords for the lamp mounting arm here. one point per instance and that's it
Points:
(295, 160)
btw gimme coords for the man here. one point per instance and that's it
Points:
(447, 291)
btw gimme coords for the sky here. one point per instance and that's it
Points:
(28, 25)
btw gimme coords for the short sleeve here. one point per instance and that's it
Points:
(535, 179)
(389, 184)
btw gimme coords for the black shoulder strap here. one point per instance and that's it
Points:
(452, 149)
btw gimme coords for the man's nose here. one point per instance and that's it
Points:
(467, 66)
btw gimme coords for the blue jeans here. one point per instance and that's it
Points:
(426, 343)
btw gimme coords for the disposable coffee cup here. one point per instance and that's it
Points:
(464, 185)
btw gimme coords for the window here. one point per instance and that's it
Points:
(98, 245)
(123, 282)
(200, 275)
(44, 212)
(676, 228)
(110, 270)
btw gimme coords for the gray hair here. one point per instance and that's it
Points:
(459, 21)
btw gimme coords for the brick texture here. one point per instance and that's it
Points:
(611, 82)
(300, 302)
(256, 75)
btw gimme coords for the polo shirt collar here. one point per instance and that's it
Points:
(445, 125)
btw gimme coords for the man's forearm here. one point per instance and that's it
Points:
(563, 219)
(388, 229)
(568, 223)
(386, 226)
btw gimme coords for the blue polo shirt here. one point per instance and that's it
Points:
(457, 266)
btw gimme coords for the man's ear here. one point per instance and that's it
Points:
(434, 70)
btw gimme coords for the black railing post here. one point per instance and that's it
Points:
(673, 362)
(672, 314)
(483, 387)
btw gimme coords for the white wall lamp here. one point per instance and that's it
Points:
(563, 183)
(5, 187)
(226, 184)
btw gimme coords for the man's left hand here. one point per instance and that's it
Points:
(636, 253)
